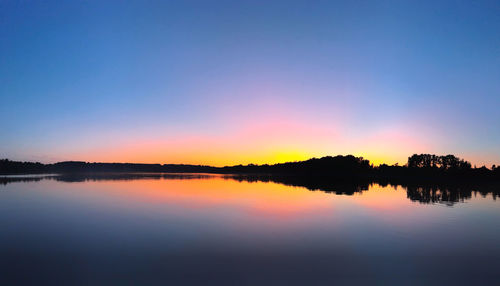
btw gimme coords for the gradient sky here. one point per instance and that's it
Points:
(227, 82)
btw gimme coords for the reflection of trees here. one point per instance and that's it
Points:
(127, 177)
(449, 194)
(325, 184)
(436, 194)
(7, 180)
(445, 192)
(73, 178)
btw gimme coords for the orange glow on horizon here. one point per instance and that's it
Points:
(214, 152)
(267, 140)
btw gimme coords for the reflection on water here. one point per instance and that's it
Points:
(448, 193)
(215, 229)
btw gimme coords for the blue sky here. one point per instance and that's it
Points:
(381, 79)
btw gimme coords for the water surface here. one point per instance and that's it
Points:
(211, 229)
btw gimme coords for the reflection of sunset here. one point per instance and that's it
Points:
(383, 199)
(256, 200)
(264, 198)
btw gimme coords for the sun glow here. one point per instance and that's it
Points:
(267, 140)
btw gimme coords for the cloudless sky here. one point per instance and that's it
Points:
(227, 82)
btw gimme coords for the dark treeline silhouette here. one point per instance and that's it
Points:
(419, 167)
(433, 161)
(429, 167)
(339, 166)
(13, 167)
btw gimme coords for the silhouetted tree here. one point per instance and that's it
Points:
(432, 161)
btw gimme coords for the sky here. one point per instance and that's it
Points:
(230, 82)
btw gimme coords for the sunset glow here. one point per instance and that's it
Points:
(249, 142)
(198, 83)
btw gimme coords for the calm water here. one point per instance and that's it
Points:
(197, 229)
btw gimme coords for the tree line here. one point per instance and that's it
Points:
(434, 161)
(419, 166)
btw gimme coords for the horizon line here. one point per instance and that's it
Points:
(254, 164)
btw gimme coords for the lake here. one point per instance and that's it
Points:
(150, 229)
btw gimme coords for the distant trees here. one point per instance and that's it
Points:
(15, 167)
(339, 166)
(446, 162)
(427, 166)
